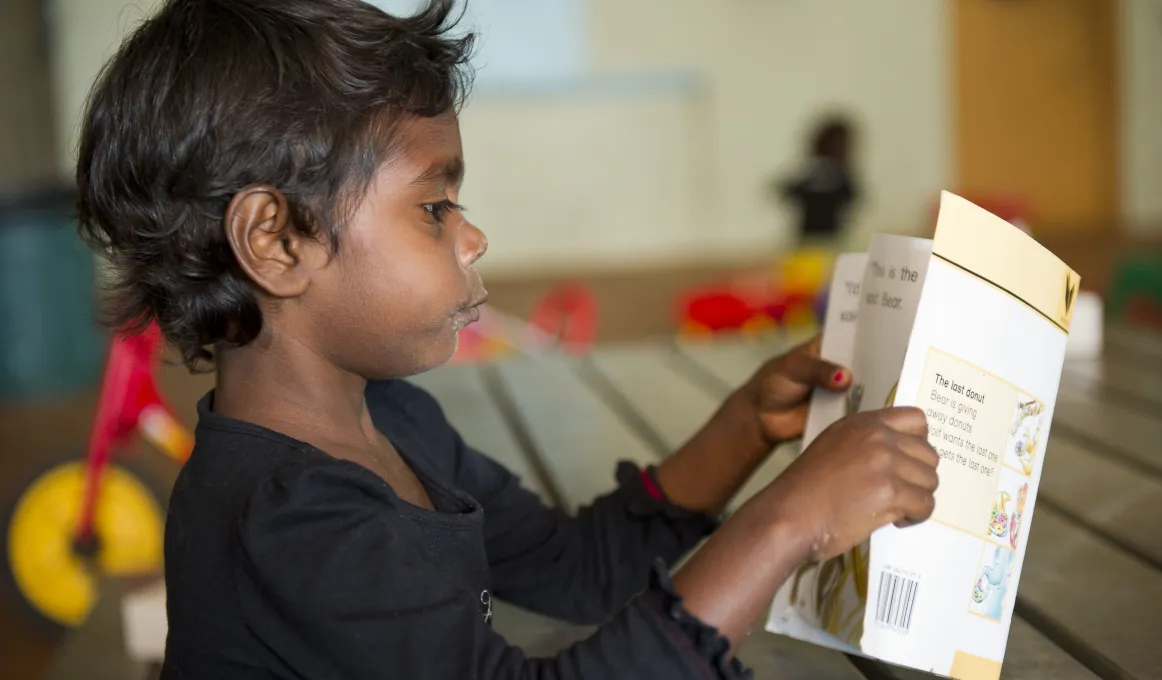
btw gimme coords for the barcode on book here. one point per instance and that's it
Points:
(897, 597)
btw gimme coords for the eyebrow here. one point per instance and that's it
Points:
(449, 172)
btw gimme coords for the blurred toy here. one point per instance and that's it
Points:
(565, 318)
(84, 518)
(824, 188)
(791, 293)
(1135, 294)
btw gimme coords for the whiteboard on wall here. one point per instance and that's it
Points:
(519, 41)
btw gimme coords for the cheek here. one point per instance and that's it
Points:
(384, 319)
(413, 305)
(406, 288)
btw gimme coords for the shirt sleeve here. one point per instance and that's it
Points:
(585, 567)
(579, 568)
(326, 587)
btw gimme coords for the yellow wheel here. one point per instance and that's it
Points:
(48, 574)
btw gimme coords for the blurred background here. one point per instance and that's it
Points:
(645, 149)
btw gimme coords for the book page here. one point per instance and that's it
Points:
(800, 609)
(891, 287)
(890, 293)
(823, 603)
(838, 342)
(984, 361)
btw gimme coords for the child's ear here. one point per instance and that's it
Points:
(268, 247)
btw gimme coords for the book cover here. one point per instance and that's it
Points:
(971, 327)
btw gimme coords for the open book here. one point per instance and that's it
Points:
(970, 326)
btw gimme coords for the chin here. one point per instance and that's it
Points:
(448, 353)
(434, 356)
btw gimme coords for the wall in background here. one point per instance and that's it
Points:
(85, 33)
(771, 68)
(1142, 114)
(520, 40)
(603, 173)
(1037, 110)
(662, 150)
(27, 153)
(759, 74)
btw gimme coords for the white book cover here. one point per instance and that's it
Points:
(971, 327)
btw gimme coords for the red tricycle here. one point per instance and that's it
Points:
(89, 516)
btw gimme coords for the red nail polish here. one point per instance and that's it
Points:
(838, 377)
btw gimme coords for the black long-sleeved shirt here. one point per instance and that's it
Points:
(284, 562)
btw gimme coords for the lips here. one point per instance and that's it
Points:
(470, 313)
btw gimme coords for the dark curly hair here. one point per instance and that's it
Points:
(208, 97)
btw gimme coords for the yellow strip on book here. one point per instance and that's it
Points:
(983, 244)
(970, 667)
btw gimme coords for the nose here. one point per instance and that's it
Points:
(473, 243)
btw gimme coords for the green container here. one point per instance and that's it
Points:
(1137, 275)
(49, 343)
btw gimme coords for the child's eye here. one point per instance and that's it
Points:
(440, 209)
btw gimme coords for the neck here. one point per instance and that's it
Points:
(284, 385)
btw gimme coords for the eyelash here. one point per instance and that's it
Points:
(438, 210)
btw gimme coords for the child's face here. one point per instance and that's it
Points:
(391, 302)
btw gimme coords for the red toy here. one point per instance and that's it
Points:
(565, 318)
(129, 403)
(754, 302)
(569, 314)
(81, 518)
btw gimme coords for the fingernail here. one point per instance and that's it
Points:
(838, 377)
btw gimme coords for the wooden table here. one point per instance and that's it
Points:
(1090, 598)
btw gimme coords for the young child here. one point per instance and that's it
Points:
(275, 185)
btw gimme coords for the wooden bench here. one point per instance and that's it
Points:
(1090, 598)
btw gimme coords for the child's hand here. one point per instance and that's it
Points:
(865, 471)
(770, 408)
(779, 391)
